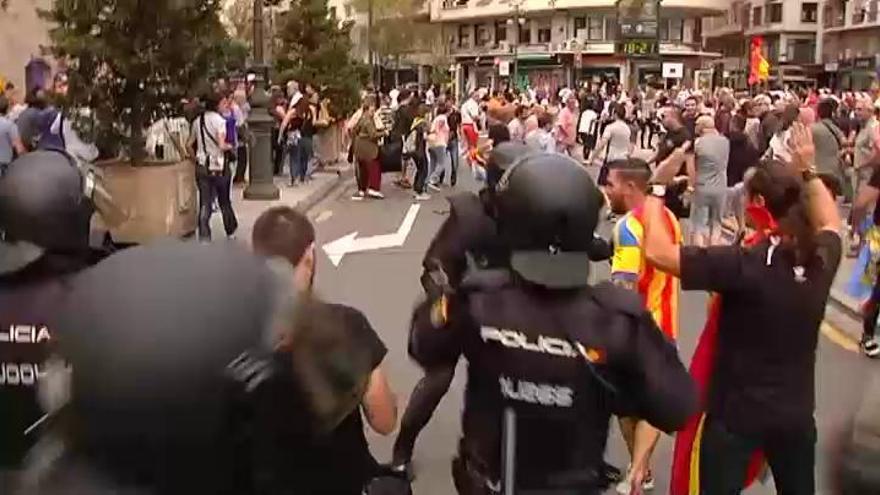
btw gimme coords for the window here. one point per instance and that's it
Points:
(801, 51)
(464, 36)
(671, 29)
(809, 12)
(544, 34)
(594, 28)
(745, 17)
(500, 31)
(525, 34)
(757, 12)
(774, 13)
(698, 32)
(579, 23)
(483, 37)
(331, 12)
(772, 45)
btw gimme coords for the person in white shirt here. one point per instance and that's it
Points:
(615, 143)
(213, 175)
(588, 128)
(517, 125)
(470, 115)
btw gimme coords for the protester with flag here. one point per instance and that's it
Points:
(757, 359)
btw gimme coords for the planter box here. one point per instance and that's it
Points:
(160, 199)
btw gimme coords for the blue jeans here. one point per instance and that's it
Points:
(299, 155)
(439, 163)
(211, 187)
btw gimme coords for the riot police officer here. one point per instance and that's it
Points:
(44, 232)
(549, 354)
(470, 230)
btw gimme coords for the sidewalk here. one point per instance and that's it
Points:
(838, 297)
(301, 197)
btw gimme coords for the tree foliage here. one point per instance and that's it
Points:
(131, 61)
(315, 49)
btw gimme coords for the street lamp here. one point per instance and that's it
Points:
(517, 21)
(261, 183)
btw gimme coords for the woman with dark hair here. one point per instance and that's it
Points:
(773, 292)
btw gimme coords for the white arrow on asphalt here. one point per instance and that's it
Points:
(347, 244)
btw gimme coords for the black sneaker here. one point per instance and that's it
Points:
(870, 347)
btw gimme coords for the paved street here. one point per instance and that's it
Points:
(384, 284)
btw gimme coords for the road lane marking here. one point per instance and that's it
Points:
(837, 336)
(349, 243)
(323, 216)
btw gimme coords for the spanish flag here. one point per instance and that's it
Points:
(759, 67)
(685, 479)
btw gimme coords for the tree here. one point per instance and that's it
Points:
(131, 61)
(315, 49)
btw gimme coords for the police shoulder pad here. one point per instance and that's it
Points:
(617, 299)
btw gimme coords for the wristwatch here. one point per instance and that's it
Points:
(658, 190)
(809, 174)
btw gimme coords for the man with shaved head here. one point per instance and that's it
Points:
(709, 180)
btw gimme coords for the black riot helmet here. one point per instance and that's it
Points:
(547, 207)
(43, 208)
(501, 158)
(166, 345)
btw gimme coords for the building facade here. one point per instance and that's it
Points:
(791, 34)
(568, 42)
(22, 36)
(850, 47)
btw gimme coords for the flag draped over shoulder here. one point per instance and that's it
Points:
(685, 479)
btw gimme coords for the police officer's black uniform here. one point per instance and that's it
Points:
(559, 355)
(44, 221)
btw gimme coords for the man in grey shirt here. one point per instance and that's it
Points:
(828, 138)
(710, 182)
(10, 142)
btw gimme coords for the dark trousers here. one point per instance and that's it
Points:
(369, 175)
(241, 163)
(724, 458)
(421, 162)
(278, 152)
(214, 186)
(422, 402)
(454, 156)
(872, 310)
(300, 155)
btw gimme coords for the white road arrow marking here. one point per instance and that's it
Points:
(347, 244)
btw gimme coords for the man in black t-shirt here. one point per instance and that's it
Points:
(677, 138)
(291, 457)
(773, 297)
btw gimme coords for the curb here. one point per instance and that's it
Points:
(322, 192)
(837, 300)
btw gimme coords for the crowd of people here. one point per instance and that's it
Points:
(257, 387)
(729, 132)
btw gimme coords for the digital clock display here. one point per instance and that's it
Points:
(637, 48)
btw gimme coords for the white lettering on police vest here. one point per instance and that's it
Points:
(536, 393)
(20, 374)
(25, 334)
(517, 340)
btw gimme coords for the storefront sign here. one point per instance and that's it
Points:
(504, 68)
(673, 70)
(864, 63)
(831, 67)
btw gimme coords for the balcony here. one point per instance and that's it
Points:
(452, 10)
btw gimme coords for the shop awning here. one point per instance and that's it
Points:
(534, 57)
